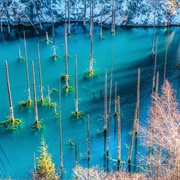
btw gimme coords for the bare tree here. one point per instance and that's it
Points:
(163, 137)
(96, 174)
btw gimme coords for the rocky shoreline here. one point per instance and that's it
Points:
(127, 12)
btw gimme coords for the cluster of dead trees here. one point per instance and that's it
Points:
(161, 140)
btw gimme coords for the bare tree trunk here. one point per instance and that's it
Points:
(113, 18)
(119, 133)
(132, 140)
(47, 37)
(165, 61)
(157, 84)
(53, 34)
(138, 101)
(152, 51)
(27, 71)
(155, 62)
(76, 86)
(34, 155)
(40, 75)
(115, 99)
(9, 28)
(69, 24)
(101, 36)
(9, 93)
(76, 155)
(1, 21)
(91, 56)
(37, 15)
(91, 17)
(34, 90)
(60, 124)
(84, 21)
(109, 111)
(31, 23)
(88, 138)
(49, 95)
(66, 50)
(54, 51)
(19, 50)
(105, 101)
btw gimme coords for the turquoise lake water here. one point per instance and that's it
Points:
(132, 47)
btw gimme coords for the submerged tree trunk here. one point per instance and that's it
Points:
(66, 50)
(119, 133)
(76, 86)
(34, 90)
(165, 60)
(152, 51)
(49, 95)
(138, 101)
(109, 111)
(105, 101)
(53, 34)
(91, 57)
(9, 28)
(84, 21)
(91, 17)
(88, 138)
(155, 62)
(135, 124)
(40, 75)
(60, 124)
(9, 93)
(115, 99)
(69, 23)
(113, 18)
(27, 71)
(101, 35)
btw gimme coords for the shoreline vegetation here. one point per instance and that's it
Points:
(21, 13)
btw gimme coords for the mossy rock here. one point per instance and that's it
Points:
(77, 115)
(63, 78)
(91, 74)
(26, 104)
(38, 125)
(11, 124)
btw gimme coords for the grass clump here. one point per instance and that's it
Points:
(77, 115)
(54, 90)
(68, 89)
(11, 124)
(55, 57)
(91, 74)
(45, 102)
(63, 78)
(56, 115)
(38, 125)
(21, 58)
(25, 104)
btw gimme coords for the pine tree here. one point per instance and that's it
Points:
(46, 169)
